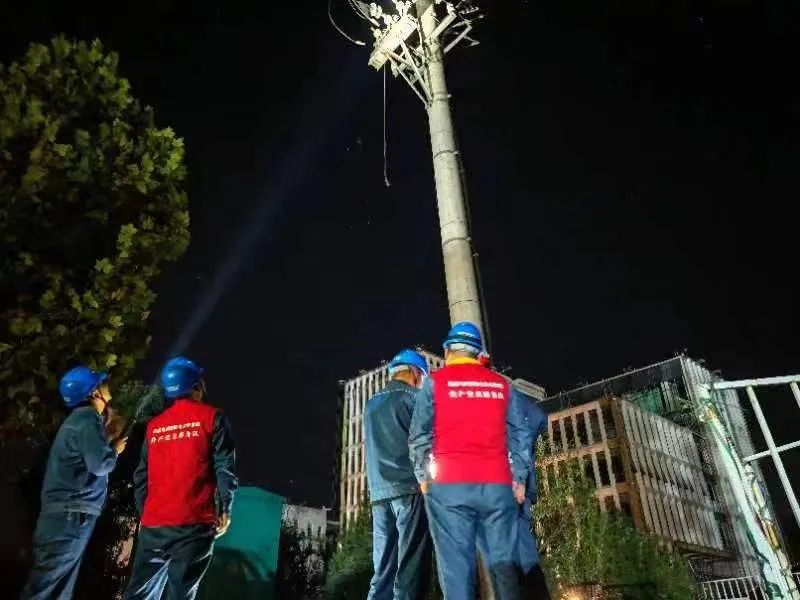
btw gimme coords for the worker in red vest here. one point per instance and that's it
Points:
(184, 487)
(467, 422)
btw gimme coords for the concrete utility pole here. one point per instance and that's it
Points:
(462, 287)
(413, 40)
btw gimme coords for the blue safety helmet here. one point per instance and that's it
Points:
(179, 376)
(78, 384)
(409, 358)
(465, 333)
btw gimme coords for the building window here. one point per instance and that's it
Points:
(569, 432)
(602, 465)
(557, 436)
(711, 484)
(608, 423)
(583, 435)
(726, 531)
(588, 469)
(616, 467)
(594, 425)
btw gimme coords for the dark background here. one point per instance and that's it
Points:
(633, 179)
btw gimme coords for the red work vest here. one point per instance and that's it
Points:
(469, 425)
(181, 485)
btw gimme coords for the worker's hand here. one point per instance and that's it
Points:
(114, 424)
(223, 523)
(424, 487)
(519, 492)
(119, 445)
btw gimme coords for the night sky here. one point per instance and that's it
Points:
(632, 170)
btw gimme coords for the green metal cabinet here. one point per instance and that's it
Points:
(246, 558)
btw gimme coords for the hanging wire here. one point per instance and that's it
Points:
(385, 134)
(337, 28)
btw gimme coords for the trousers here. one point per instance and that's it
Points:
(59, 542)
(401, 549)
(457, 512)
(533, 583)
(172, 560)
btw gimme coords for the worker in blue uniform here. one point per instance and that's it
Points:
(75, 486)
(534, 585)
(401, 546)
(467, 421)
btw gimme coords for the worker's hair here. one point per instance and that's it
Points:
(399, 369)
(464, 348)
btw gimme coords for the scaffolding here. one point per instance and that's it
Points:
(755, 511)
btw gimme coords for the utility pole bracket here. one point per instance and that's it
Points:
(399, 40)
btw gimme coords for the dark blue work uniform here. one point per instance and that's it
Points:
(73, 495)
(401, 545)
(527, 548)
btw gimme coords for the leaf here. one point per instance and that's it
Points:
(75, 301)
(90, 300)
(25, 326)
(47, 299)
(61, 47)
(104, 266)
(33, 176)
(110, 360)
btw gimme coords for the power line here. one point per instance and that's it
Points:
(337, 28)
(385, 135)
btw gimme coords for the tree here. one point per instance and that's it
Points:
(350, 570)
(133, 395)
(91, 206)
(581, 545)
(302, 563)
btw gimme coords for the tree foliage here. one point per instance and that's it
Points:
(128, 396)
(302, 563)
(581, 545)
(350, 570)
(91, 206)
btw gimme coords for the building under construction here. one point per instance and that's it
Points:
(636, 436)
